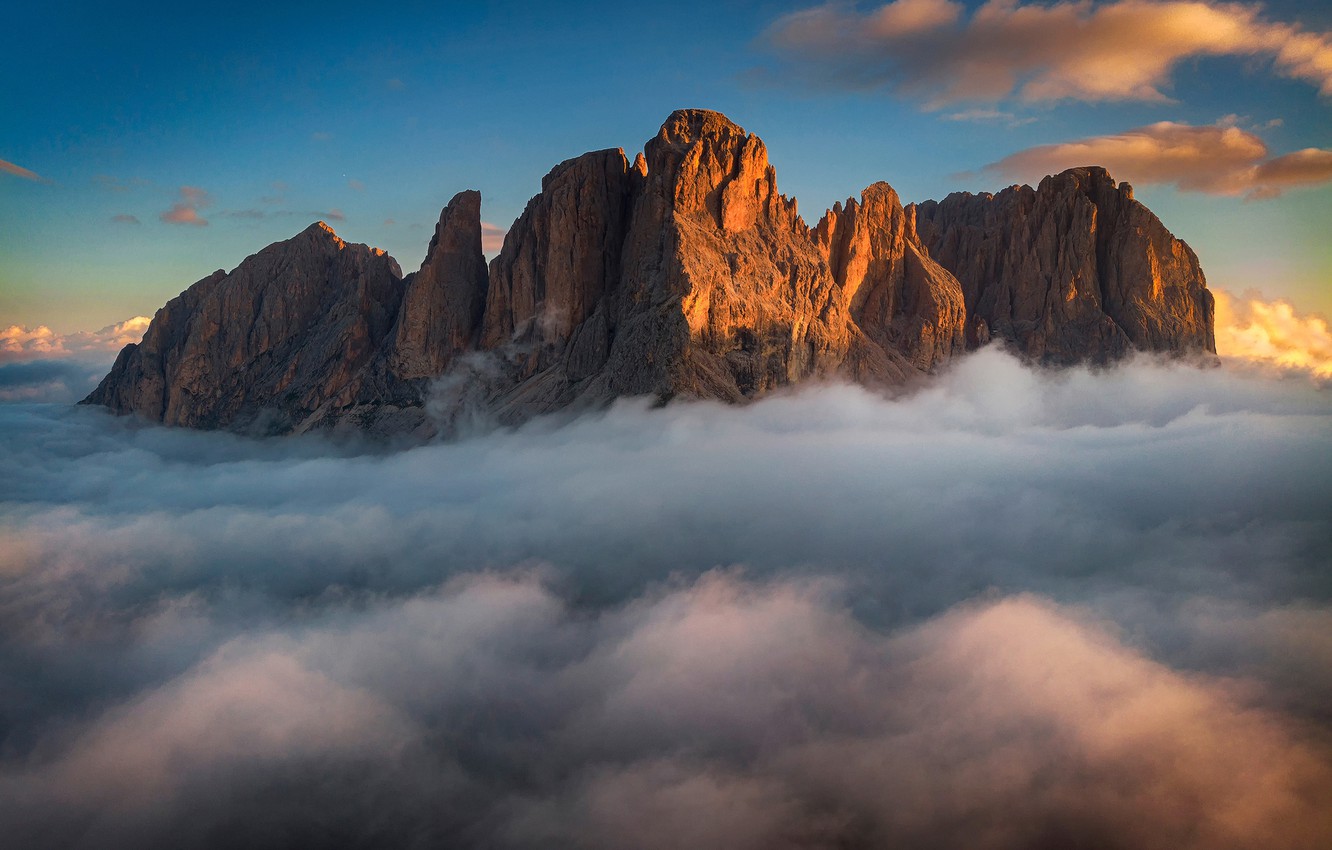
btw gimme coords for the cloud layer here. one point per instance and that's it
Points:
(40, 365)
(1220, 160)
(1109, 51)
(1252, 329)
(1014, 609)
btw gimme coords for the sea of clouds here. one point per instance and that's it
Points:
(1014, 609)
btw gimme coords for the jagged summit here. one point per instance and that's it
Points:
(685, 126)
(682, 274)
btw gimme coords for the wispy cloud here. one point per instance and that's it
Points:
(1219, 159)
(355, 185)
(989, 116)
(7, 167)
(940, 52)
(125, 218)
(492, 237)
(186, 210)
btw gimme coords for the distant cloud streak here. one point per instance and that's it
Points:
(1110, 51)
(19, 171)
(186, 210)
(1221, 160)
(125, 218)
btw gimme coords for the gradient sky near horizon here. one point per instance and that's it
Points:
(143, 148)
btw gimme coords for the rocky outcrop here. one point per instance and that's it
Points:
(901, 298)
(723, 295)
(443, 303)
(682, 274)
(266, 345)
(1073, 270)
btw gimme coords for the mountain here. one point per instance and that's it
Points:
(1072, 270)
(681, 274)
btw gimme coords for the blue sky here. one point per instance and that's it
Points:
(259, 119)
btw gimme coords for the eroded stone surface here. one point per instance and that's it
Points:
(1073, 270)
(262, 347)
(682, 274)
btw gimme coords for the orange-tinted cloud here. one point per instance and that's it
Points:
(1125, 50)
(1221, 159)
(1273, 333)
(19, 171)
(22, 343)
(492, 237)
(186, 210)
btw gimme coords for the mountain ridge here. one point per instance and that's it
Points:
(684, 273)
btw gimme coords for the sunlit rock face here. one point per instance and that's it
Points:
(724, 295)
(684, 273)
(1073, 270)
(901, 298)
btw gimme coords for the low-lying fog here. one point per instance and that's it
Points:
(1014, 610)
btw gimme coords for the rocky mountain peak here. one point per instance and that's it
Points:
(897, 294)
(681, 274)
(705, 163)
(443, 303)
(1073, 270)
(321, 231)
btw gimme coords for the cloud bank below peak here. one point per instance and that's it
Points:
(1014, 609)
(1111, 51)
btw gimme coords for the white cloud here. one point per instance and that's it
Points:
(1119, 50)
(23, 343)
(1013, 608)
(1251, 328)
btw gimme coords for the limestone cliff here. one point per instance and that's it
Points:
(682, 274)
(266, 345)
(1073, 270)
(900, 297)
(443, 303)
